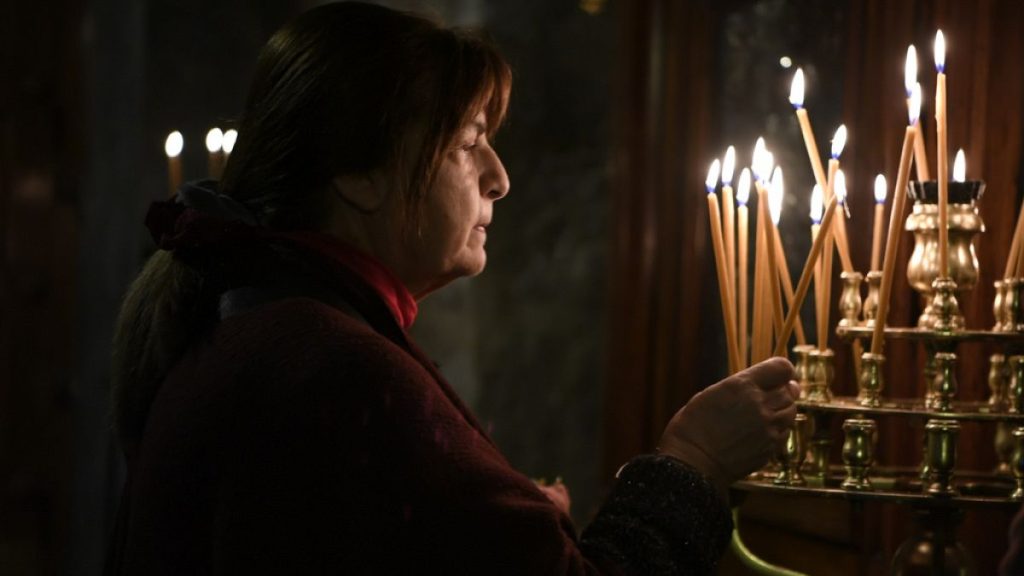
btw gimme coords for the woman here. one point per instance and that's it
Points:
(276, 416)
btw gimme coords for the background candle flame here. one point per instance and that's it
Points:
(174, 144)
(817, 204)
(228, 144)
(910, 70)
(880, 189)
(960, 167)
(757, 160)
(796, 89)
(840, 186)
(775, 192)
(743, 192)
(839, 141)
(914, 109)
(214, 140)
(940, 51)
(713, 172)
(728, 165)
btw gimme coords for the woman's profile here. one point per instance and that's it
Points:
(275, 414)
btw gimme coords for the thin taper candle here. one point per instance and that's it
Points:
(729, 318)
(796, 98)
(774, 298)
(805, 281)
(892, 241)
(742, 299)
(909, 81)
(173, 146)
(876, 235)
(787, 283)
(729, 218)
(943, 153)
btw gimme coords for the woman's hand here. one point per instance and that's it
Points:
(557, 493)
(731, 428)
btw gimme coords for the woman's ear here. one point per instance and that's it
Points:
(360, 191)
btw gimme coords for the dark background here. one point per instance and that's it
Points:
(598, 314)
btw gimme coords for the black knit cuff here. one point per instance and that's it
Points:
(661, 518)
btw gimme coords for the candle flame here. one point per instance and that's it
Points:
(768, 162)
(174, 144)
(796, 89)
(960, 167)
(880, 189)
(940, 52)
(775, 192)
(839, 187)
(228, 144)
(214, 140)
(728, 165)
(839, 141)
(743, 192)
(817, 204)
(910, 70)
(914, 108)
(758, 159)
(713, 172)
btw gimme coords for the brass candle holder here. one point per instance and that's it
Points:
(871, 380)
(999, 306)
(822, 374)
(964, 223)
(791, 457)
(1017, 463)
(849, 300)
(943, 385)
(1016, 385)
(870, 307)
(940, 454)
(802, 367)
(858, 452)
(1013, 305)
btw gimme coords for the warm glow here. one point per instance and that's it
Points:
(940, 51)
(880, 189)
(960, 167)
(840, 187)
(914, 108)
(785, 61)
(758, 160)
(728, 164)
(713, 172)
(817, 204)
(214, 140)
(796, 89)
(768, 160)
(775, 192)
(228, 144)
(174, 144)
(839, 141)
(743, 192)
(910, 70)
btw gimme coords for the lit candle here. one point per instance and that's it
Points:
(742, 226)
(841, 240)
(909, 81)
(228, 144)
(796, 98)
(772, 209)
(214, 144)
(714, 218)
(817, 208)
(943, 153)
(805, 280)
(729, 218)
(763, 266)
(892, 241)
(876, 237)
(173, 146)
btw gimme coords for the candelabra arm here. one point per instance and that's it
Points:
(749, 559)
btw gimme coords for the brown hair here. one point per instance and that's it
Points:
(337, 91)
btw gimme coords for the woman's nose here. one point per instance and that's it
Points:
(497, 184)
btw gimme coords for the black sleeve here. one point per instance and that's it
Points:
(662, 517)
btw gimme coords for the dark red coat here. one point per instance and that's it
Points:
(300, 436)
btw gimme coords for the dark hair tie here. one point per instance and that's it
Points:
(199, 216)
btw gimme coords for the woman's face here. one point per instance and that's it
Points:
(457, 210)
